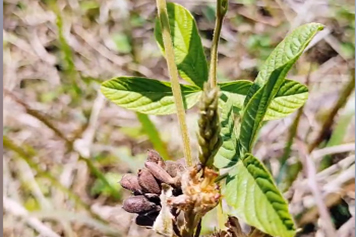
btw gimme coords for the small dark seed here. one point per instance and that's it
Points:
(148, 182)
(152, 197)
(138, 204)
(146, 220)
(130, 182)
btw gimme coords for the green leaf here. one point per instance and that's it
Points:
(291, 96)
(147, 96)
(226, 155)
(188, 49)
(251, 191)
(285, 54)
(256, 109)
(236, 91)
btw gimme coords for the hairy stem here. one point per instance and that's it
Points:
(173, 73)
(192, 221)
(221, 9)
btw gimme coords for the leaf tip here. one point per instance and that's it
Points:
(104, 87)
(320, 26)
(316, 25)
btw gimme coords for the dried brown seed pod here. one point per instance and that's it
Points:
(154, 156)
(130, 182)
(139, 204)
(148, 182)
(159, 173)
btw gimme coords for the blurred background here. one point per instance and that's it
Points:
(66, 146)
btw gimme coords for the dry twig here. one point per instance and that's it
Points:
(310, 171)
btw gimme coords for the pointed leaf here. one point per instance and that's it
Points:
(256, 109)
(291, 96)
(285, 54)
(226, 155)
(188, 49)
(147, 96)
(251, 191)
(236, 91)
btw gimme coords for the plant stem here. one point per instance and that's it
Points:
(221, 216)
(173, 73)
(221, 9)
(191, 223)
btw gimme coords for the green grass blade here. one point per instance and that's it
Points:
(153, 135)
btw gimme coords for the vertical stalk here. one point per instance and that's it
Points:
(221, 9)
(173, 73)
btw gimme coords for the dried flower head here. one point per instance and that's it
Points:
(200, 192)
(169, 197)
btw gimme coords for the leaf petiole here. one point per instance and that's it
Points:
(221, 9)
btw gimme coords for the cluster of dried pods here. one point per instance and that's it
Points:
(146, 187)
(169, 197)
